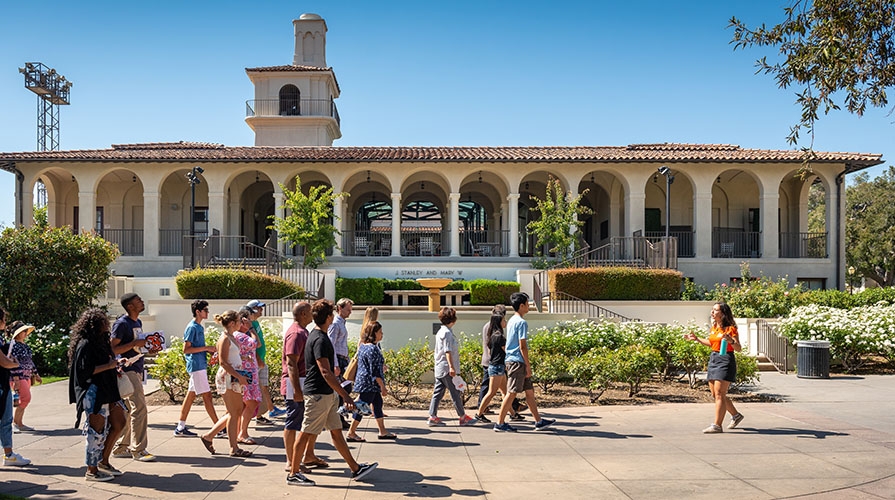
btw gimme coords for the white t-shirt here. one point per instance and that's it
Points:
(445, 345)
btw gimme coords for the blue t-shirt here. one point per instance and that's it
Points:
(517, 329)
(195, 335)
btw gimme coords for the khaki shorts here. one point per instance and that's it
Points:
(320, 413)
(516, 379)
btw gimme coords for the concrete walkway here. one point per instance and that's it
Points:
(831, 439)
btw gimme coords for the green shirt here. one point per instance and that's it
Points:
(261, 351)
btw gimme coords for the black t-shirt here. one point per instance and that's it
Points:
(497, 345)
(126, 330)
(318, 346)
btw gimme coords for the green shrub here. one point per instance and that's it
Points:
(873, 296)
(747, 370)
(232, 284)
(576, 337)
(470, 363)
(593, 371)
(690, 290)
(830, 298)
(406, 367)
(660, 337)
(690, 357)
(273, 341)
(634, 364)
(760, 297)
(548, 369)
(170, 370)
(617, 283)
(490, 292)
(361, 290)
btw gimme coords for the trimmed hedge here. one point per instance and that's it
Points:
(232, 284)
(617, 283)
(371, 291)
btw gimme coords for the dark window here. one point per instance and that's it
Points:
(290, 101)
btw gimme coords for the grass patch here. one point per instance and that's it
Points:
(49, 379)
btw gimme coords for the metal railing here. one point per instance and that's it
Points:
(635, 251)
(779, 351)
(275, 308)
(734, 243)
(563, 303)
(170, 241)
(292, 107)
(366, 243)
(129, 241)
(686, 241)
(484, 243)
(803, 245)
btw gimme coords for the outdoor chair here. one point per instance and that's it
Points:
(361, 245)
(427, 246)
(726, 250)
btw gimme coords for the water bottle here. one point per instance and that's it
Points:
(15, 399)
(723, 350)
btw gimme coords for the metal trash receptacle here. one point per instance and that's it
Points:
(813, 359)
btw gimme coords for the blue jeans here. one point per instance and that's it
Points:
(440, 385)
(6, 422)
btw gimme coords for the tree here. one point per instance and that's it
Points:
(310, 221)
(828, 47)
(558, 225)
(870, 227)
(817, 208)
(48, 275)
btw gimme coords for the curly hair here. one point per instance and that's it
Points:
(92, 326)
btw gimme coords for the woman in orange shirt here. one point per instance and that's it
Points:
(722, 366)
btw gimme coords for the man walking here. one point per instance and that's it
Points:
(196, 354)
(321, 395)
(497, 310)
(126, 341)
(519, 367)
(294, 373)
(338, 335)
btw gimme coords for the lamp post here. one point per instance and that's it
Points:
(193, 178)
(669, 179)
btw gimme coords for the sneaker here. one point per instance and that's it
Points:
(467, 420)
(276, 412)
(299, 479)
(183, 432)
(109, 469)
(15, 429)
(364, 470)
(544, 423)
(713, 429)
(504, 427)
(122, 453)
(16, 460)
(222, 434)
(98, 476)
(144, 456)
(517, 417)
(735, 421)
(435, 422)
(261, 419)
(483, 419)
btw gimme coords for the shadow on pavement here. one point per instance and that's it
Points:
(788, 431)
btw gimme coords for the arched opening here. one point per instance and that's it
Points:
(680, 216)
(803, 217)
(736, 216)
(290, 100)
(119, 211)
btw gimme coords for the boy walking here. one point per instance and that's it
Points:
(196, 354)
(519, 367)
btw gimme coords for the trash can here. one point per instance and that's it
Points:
(813, 359)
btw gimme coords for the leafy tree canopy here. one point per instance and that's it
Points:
(870, 227)
(558, 224)
(831, 50)
(309, 222)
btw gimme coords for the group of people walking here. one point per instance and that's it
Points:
(106, 380)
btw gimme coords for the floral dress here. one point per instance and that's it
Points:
(247, 347)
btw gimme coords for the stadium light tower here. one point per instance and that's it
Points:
(52, 90)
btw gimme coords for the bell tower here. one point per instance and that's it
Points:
(294, 105)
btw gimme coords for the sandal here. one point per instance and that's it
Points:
(240, 453)
(208, 445)
(388, 436)
(355, 439)
(318, 463)
(249, 441)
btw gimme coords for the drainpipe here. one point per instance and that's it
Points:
(840, 180)
(20, 194)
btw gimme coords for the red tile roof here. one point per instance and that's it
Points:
(634, 153)
(294, 67)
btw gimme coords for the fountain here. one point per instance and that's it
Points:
(434, 285)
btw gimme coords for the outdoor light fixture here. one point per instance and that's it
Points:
(193, 178)
(257, 176)
(592, 178)
(134, 178)
(423, 185)
(718, 180)
(368, 176)
(526, 185)
(480, 176)
(669, 179)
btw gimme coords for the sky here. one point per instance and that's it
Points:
(459, 73)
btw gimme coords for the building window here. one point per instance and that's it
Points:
(812, 283)
(290, 101)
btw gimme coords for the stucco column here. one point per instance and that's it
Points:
(28, 209)
(504, 225)
(396, 225)
(513, 202)
(280, 211)
(86, 210)
(339, 217)
(702, 213)
(217, 211)
(770, 226)
(151, 224)
(634, 207)
(455, 224)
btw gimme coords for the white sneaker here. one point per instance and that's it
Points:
(144, 456)
(98, 476)
(713, 429)
(735, 421)
(122, 453)
(15, 460)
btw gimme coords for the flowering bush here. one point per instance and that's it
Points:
(576, 337)
(757, 297)
(853, 334)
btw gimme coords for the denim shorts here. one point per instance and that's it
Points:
(497, 370)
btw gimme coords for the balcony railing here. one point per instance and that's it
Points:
(803, 245)
(414, 242)
(686, 241)
(170, 241)
(292, 107)
(735, 243)
(484, 243)
(129, 241)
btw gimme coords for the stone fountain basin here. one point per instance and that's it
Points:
(434, 282)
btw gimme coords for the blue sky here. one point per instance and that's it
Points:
(412, 73)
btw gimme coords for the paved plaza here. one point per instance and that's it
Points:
(831, 439)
